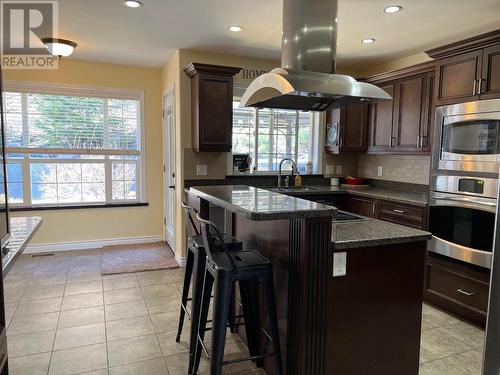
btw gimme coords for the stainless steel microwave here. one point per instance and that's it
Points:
(467, 137)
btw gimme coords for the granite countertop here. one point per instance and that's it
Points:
(373, 232)
(259, 204)
(420, 199)
(22, 230)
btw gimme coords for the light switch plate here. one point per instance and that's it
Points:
(380, 171)
(339, 264)
(201, 169)
(339, 169)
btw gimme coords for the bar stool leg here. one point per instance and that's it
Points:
(185, 291)
(232, 313)
(196, 302)
(202, 322)
(273, 320)
(250, 299)
(222, 300)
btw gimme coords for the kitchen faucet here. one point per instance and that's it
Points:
(294, 168)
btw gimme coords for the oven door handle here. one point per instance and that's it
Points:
(465, 202)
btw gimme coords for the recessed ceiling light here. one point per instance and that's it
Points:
(132, 3)
(393, 9)
(59, 47)
(236, 28)
(368, 40)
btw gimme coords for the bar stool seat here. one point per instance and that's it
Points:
(242, 259)
(231, 242)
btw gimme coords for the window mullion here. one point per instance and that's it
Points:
(105, 114)
(270, 157)
(256, 139)
(297, 121)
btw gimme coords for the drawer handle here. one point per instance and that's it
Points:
(469, 294)
(398, 211)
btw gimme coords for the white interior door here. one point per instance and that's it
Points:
(169, 167)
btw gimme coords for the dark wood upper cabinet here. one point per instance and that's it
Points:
(457, 78)
(413, 104)
(381, 116)
(353, 128)
(490, 81)
(468, 70)
(211, 106)
(348, 129)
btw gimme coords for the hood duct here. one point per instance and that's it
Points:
(307, 79)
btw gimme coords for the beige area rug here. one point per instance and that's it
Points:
(137, 258)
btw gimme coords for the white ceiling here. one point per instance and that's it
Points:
(107, 31)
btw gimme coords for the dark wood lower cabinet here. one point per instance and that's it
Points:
(457, 287)
(359, 205)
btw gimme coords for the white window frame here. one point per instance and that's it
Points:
(85, 91)
(312, 155)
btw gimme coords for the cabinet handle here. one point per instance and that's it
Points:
(398, 211)
(468, 294)
(422, 140)
(418, 141)
(341, 142)
(390, 141)
(474, 87)
(480, 90)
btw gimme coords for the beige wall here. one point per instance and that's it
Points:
(107, 223)
(401, 63)
(403, 168)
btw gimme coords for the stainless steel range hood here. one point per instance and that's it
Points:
(307, 79)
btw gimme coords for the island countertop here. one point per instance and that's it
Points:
(373, 232)
(259, 204)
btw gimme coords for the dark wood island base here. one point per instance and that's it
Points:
(364, 323)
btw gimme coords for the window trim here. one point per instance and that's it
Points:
(86, 91)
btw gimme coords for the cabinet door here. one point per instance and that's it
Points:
(457, 78)
(353, 128)
(380, 123)
(490, 82)
(409, 112)
(427, 125)
(215, 114)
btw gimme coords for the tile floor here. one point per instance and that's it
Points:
(65, 318)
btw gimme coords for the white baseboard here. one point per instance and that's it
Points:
(180, 260)
(91, 244)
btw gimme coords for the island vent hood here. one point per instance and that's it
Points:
(307, 80)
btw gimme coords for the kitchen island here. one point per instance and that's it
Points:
(364, 322)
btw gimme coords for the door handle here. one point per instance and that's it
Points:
(171, 187)
(468, 294)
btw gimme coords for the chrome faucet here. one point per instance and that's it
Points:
(294, 168)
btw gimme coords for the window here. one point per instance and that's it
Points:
(270, 135)
(72, 146)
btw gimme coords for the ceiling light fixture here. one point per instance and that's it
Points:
(59, 47)
(236, 28)
(132, 3)
(368, 40)
(392, 9)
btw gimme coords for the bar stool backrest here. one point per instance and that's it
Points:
(214, 241)
(191, 228)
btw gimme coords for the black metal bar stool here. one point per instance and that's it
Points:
(223, 269)
(193, 276)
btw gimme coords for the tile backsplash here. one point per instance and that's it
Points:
(403, 168)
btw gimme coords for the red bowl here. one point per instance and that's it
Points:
(354, 180)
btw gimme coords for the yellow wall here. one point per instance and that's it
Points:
(107, 223)
(401, 63)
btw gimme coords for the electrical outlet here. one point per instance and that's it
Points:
(330, 169)
(339, 264)
(339, 169)
(380, 171)
(201, 169)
